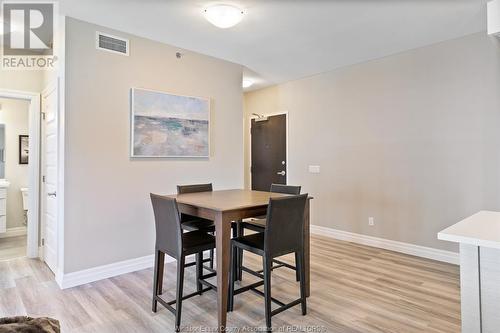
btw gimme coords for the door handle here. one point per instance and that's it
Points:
(281, 173)
(52, 194)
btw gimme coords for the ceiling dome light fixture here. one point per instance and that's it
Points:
(247, 83)
(224, 16)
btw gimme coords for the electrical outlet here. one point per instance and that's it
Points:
(371, 221)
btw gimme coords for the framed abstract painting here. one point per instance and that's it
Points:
(168, 125)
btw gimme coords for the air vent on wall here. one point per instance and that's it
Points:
(111, 43)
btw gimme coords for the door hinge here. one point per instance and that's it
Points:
(43, 179)
(43, 241)
(43, 115)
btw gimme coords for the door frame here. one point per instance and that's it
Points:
(249, 131)
(32, 249)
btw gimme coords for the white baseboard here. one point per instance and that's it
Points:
(14, 232)
(387, 244)
(74, 279)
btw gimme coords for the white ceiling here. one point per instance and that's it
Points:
(283, 40)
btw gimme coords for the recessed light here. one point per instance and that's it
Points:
(224, 16)
(247, 83)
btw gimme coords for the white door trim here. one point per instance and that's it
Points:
(33, 165)
(249, 132)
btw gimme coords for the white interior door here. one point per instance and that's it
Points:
(49, 176)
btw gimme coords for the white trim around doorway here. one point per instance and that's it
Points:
(249, 153)
(33, 166)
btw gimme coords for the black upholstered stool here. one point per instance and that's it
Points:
(259, 225)
(284, 234)
(171, 240)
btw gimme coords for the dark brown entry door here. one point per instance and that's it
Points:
(268, 152)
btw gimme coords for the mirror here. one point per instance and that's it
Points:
(2, 151)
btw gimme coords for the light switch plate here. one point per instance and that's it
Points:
(314, 169)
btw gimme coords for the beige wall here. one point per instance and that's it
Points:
(108, 215)
(411, 139)
(30, 81)
(50, 76)
(15, 115)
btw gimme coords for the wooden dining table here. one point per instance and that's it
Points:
(224, 207)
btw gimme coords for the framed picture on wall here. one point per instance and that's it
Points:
(168, 125)
(24, 149)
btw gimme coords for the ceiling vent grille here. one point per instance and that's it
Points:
(111, 43)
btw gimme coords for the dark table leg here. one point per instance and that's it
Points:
(307, 248)
(223, 237)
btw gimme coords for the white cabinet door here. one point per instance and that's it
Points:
(49, 176)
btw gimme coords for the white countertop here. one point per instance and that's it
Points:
(480, 229)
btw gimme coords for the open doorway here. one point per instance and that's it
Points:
(19, 174)
(14, 155)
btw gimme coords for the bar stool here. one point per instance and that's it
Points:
(284, 234)
(193, 223)
(171, 240)
(259, 225)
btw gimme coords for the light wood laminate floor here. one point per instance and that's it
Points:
(354, 289)
(12, 247)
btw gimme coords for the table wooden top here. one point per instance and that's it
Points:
(227, 200)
